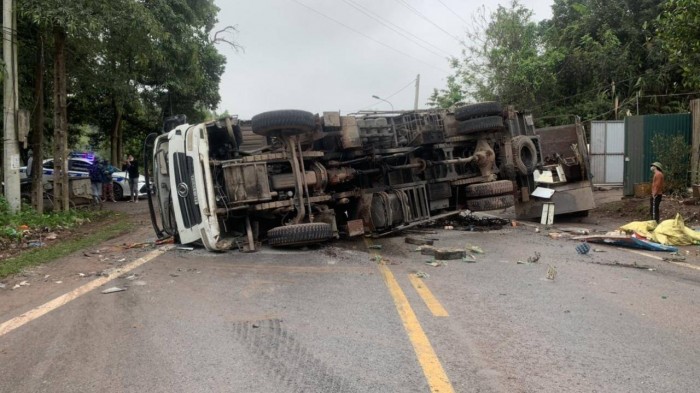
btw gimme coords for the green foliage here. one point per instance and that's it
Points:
(678, 29)
(11, 223)
(577, 63)
(674, 154)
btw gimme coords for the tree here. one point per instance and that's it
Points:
(502, 59)
(678, 29)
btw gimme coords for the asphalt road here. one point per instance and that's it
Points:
(329, 319)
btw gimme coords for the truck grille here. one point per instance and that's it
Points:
(186, 190)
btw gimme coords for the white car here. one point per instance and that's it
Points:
(80, 167)
(121, 185)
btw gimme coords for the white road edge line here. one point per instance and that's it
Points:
(45, 308)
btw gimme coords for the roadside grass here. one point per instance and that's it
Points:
(16, 228)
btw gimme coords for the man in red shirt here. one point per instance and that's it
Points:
(657, 189)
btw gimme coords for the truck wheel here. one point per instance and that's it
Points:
(490, 203)
(285, 122)
(299, 234)
(489, 189)
(480, 124)
(480, 109)
(524, 154)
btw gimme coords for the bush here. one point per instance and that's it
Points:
(674, 154)
(10, 223)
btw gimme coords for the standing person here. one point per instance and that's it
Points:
(96, 176)
(657, 189)
(131, 167)
(107, 185)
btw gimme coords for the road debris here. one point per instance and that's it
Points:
(576, 231)
(418, 241)
(81, 274)
(559, 235)
(443, 254)
(475, 249)
(674, 257)
(185, 248)
(551, 272)
(113, 290)
(58, 282)
(583, 248)
(535, 258)
(436, 263)
(2, 286)
(375, 247)
(121, 260)
(51, 236)
(131, 277)
(422, 274)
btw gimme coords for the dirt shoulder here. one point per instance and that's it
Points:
(66, 273)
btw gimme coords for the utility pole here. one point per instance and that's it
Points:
(10, 162)
(415, 103)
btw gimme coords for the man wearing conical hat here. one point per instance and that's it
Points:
(657, 189)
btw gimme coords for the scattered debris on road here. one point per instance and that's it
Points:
(113, 290)
(576, 231)
(551, 272)
(418, 241)
(2, 286)
(422, 274)
(583, 248)
(443, 254)
(375, 247)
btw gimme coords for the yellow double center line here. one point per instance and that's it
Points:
(429, 362)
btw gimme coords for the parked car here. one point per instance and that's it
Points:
(80, 166)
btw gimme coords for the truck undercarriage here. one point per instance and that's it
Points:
(317, 177)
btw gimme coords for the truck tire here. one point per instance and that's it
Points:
(489, 189)
(490, 203)
(284, 122)
(480, 124)
(480, 109)
(299, 234)
(524, 154)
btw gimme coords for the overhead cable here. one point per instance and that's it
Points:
(425, 18)
(397, 29)
(368, 37)
(453, 12)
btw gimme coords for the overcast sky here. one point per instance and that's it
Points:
(321, 55)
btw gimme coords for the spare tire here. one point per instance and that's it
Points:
(480, 109)
(524, 154)
(490, 203)
(480, 124)
(283, 122)
(489, 189)
(299, 234)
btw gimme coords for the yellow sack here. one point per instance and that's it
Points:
(675, 233)
(644, 228)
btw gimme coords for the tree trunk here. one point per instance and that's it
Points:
(37, 141)
(115, 137)
(60, 135)
(120, 144)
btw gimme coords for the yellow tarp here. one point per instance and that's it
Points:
(669, 232)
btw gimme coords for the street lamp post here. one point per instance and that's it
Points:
(381, 99)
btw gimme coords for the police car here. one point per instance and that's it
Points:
(80, 167)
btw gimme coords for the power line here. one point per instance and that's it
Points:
(395, 28)
(425, 18)
(452, 11)
(391, 95)
(670, 95)
(368, 37)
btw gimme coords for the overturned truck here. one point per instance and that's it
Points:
(310, 178)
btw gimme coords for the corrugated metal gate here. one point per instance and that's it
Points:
(639, 131)
(607, 152)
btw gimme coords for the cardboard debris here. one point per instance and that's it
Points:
(551, 273)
